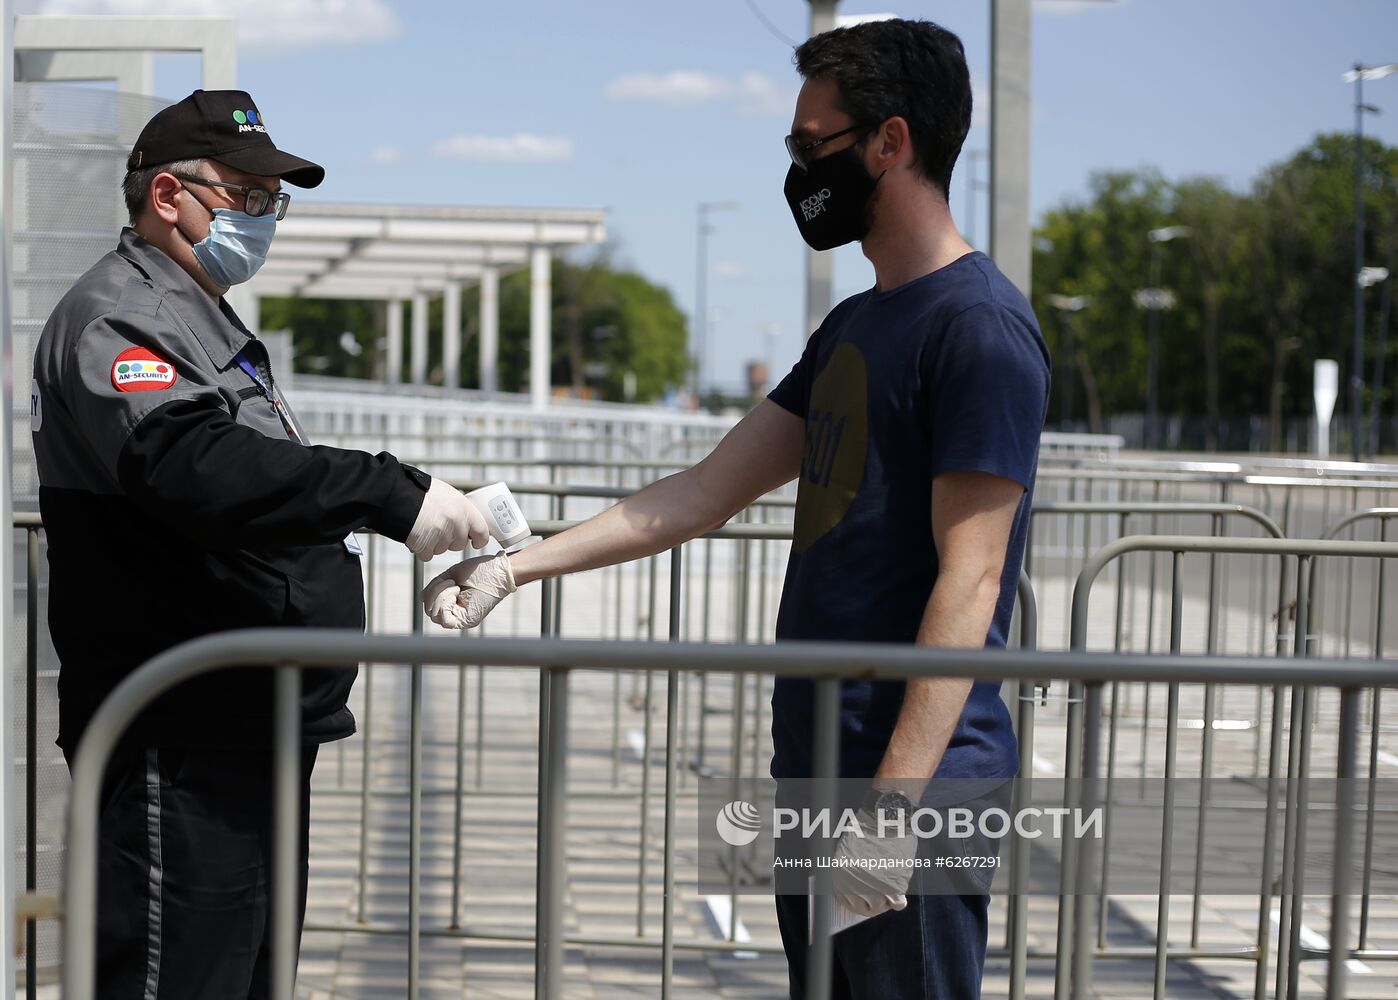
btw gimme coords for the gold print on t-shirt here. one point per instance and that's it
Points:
(837, 443)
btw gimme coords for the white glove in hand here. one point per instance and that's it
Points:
(463, 595)
(446, 522)
(872, 872)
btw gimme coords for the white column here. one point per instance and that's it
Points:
(1010, 23)
(490, 330)
(820, 264)
(451, 335)
(394, 362)
(418, 362)
(540, 338)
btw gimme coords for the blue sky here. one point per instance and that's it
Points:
(647, 107)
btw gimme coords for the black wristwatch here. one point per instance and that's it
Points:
(889, 801)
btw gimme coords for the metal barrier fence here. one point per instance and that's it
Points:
(1304, 498)
(552, 616)
(1076, 921)
(1063, 535)
(827, 663)
(451, 426)
(743, 537)
(354, 415)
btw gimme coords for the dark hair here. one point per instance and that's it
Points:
(914, 69)
(135, 186)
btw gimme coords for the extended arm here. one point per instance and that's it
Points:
(178, 453)
(227, 485)
(761, 453)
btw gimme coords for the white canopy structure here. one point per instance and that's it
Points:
(410, 253)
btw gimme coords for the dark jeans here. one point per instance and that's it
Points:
(184, 874)
(933, 950)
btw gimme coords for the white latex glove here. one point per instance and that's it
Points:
(872, 872)
(463, 595)
(446, 522)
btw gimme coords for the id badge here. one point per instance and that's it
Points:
(352, 544)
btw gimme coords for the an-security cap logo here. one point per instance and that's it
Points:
(249, 120)
(738, 823)
(139, 370)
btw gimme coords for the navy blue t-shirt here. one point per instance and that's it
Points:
(948, 372)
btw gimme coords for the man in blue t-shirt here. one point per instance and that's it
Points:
(913, 422)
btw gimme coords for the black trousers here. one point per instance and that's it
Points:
(184, 873)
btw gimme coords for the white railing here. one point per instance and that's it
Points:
(432, 421)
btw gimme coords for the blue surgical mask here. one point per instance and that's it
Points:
(236, 247)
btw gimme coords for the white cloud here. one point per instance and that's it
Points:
(729, 269)
(522, 147)
(850, 20)
(386, 155)
(263, 25)
(750, 93)
(1065, 8)
(681, 87)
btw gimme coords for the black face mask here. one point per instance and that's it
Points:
(829, 199)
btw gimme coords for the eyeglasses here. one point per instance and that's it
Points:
(256, 200)
(798, 150)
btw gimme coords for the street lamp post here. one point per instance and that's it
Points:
(1381, 354)
(1155, 300)
(1367, 278)
(1067, 307)
(1357, 76)
(701, 282)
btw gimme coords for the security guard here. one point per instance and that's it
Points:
(180, 498)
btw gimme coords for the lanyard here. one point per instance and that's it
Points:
(351, 543)
(271, 397)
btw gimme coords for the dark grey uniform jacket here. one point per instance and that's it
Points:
(176, 504)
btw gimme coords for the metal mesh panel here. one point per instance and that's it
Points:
(70, 147)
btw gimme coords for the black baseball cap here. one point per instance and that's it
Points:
(222, 125)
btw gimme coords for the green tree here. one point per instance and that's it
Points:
(1212, 261)
(1264, 286)
(1303, 261)
(1099, 249)
(318, 327)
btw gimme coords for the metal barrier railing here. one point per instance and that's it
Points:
(750, 533)
(1077, 527)
(739, 533)
(290, 650)
(1118, 512)
(1084, 729)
